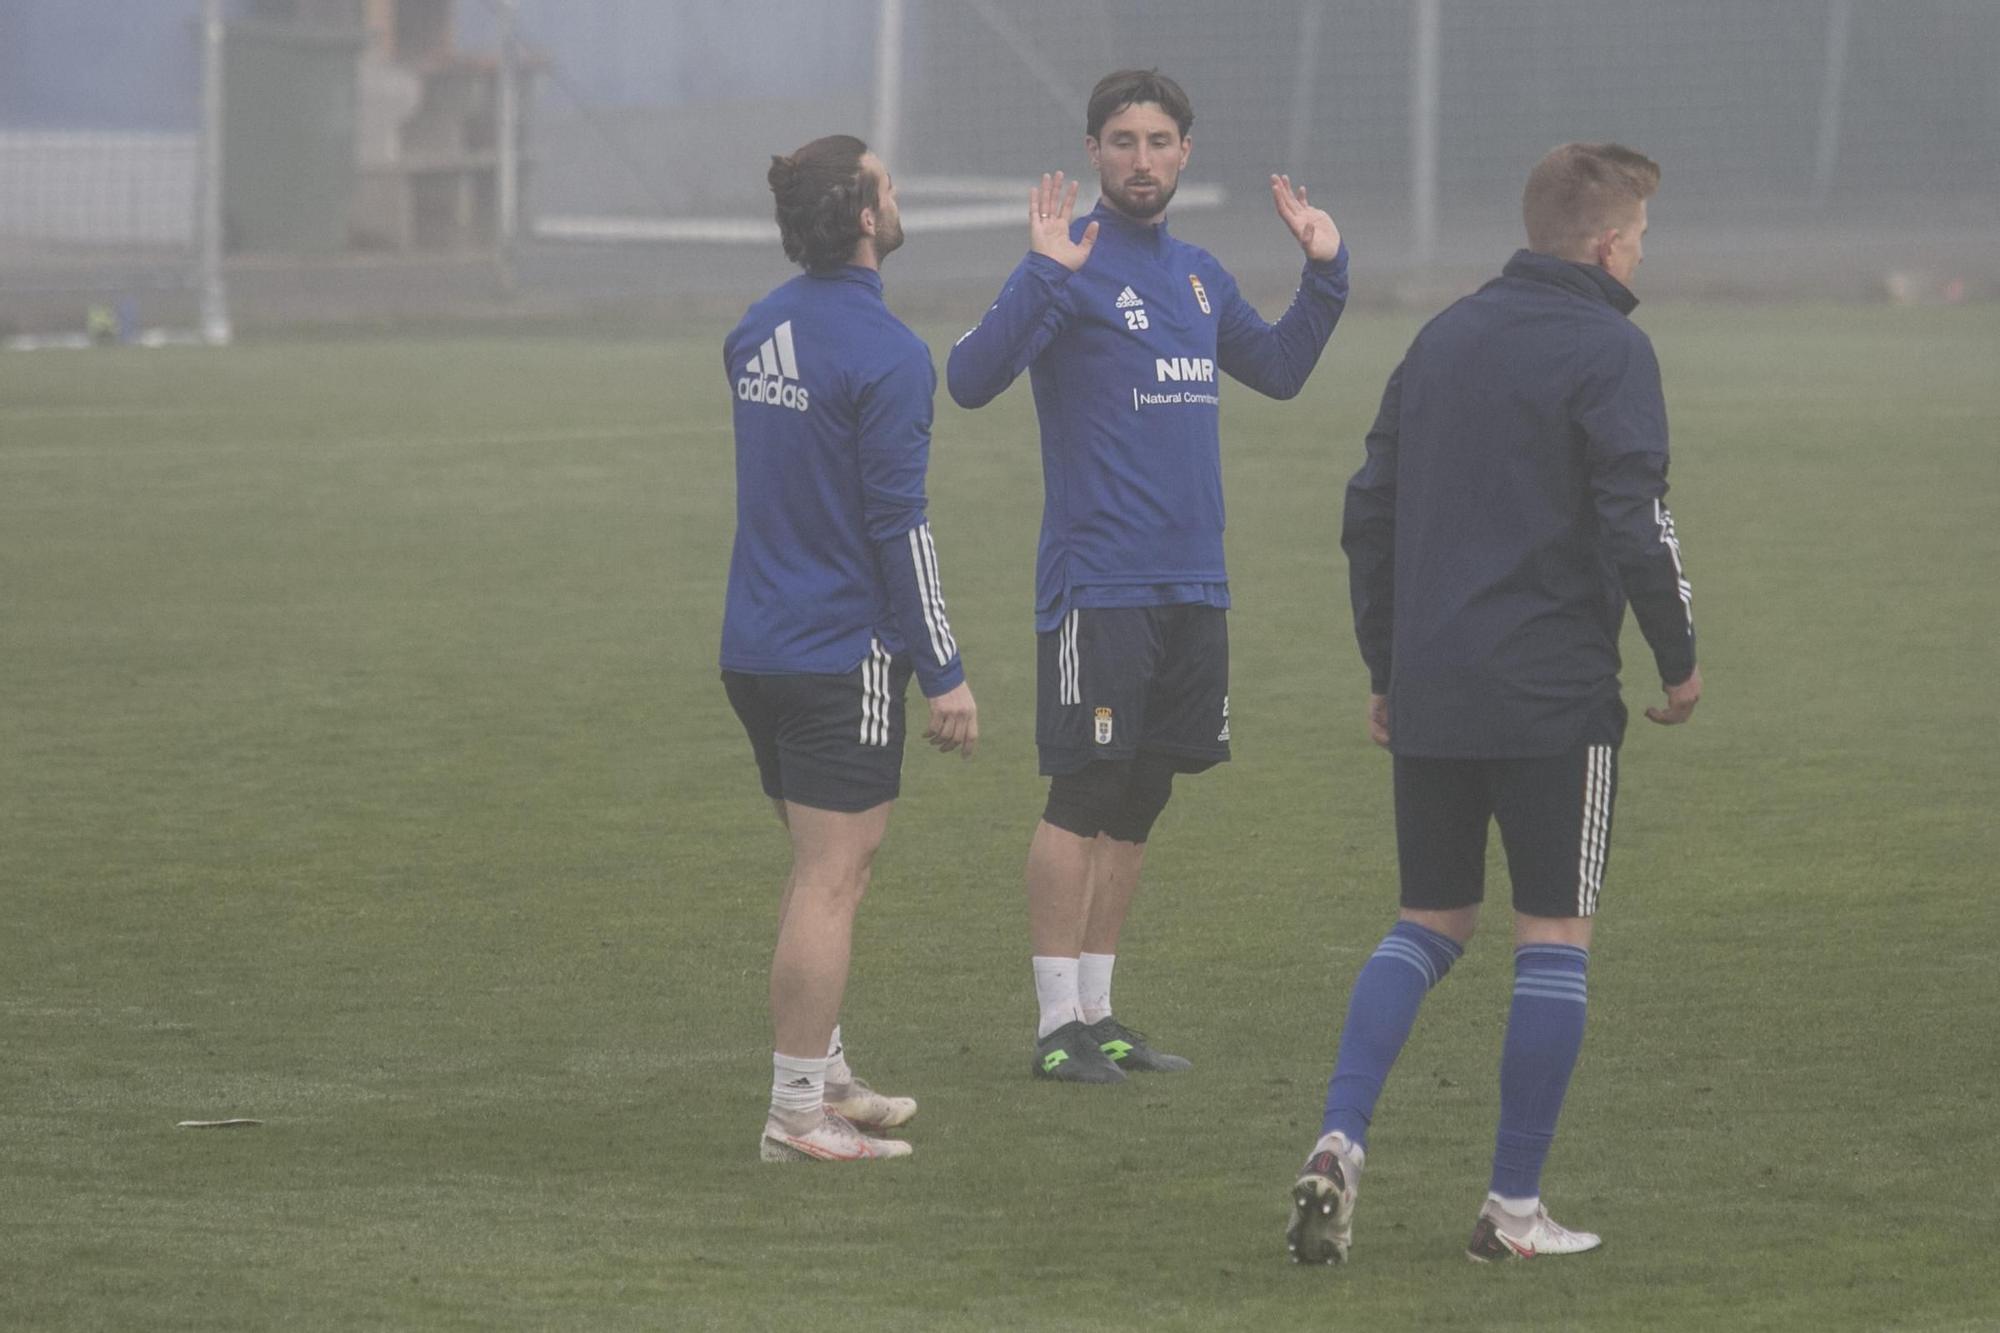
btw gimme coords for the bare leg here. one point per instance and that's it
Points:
(1114, 882)
(791, 876)
(1458, 923)
(1058, 891)
(832, 857)
(1571, 930)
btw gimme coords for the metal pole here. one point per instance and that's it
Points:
(1426, 25)
(215, 328)
(1302, 86)
(888, 81)
(1839, 18)
(507, 186)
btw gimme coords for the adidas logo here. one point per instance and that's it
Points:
(773, 374)
(1129, 300)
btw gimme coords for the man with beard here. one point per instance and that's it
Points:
(1122, 329)
(833, 603)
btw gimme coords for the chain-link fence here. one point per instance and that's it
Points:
(1800, 138)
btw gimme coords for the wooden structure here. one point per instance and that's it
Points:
(429, 136)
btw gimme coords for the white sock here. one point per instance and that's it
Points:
(837, 1071)
(1093, 984)
(798, 1089)
(1055, 991)
(1341, 1144)
(1523, 1208)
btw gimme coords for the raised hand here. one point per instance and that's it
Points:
(1049, 210)
(1310, 226)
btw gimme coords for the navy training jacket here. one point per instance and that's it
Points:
(833, 431)
(1512, 501)
(1125, 357)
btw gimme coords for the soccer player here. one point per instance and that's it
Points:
(1123, 330)
(833, 603)
(1511, 504)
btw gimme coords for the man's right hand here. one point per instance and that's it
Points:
(954, 721)
(1049, 210)
(1681, 700)
(1378, 719)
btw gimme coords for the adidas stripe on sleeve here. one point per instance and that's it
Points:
(895, 451)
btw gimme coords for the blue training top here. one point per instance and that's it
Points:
(1123, 355)
(1512, 499)
(833, 431)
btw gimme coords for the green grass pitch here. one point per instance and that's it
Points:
(364, 770)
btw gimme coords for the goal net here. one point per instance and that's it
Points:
(104, 155)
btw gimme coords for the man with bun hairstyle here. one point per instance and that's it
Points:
(1123, 329)
(1512, 503)
(833, 603)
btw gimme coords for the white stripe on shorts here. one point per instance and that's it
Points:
(1069, 673)
(1596, 827)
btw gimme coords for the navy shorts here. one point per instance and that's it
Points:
(829, 742)
(1112, 681)
(1555, 823)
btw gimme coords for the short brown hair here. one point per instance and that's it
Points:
(1129, 87)
(820, 192)
(1580, 190)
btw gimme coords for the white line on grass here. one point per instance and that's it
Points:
(98, 413)
(505, 440)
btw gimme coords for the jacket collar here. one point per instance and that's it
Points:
(1145, 233)
(1587, 280)
(866, 277)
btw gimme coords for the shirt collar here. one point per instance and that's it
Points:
(1584, 279)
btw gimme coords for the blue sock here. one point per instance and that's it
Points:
(1393, 982)
(1544, 1034)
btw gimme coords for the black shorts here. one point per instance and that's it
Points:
(830, 742)
(1555, 823)
(1112, 681)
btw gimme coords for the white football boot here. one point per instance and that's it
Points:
(1499, 1234)
(833, 1139)
(868, 1110)
(1322, 1226)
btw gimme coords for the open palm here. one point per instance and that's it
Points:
(1049, 212)
(1311, 227)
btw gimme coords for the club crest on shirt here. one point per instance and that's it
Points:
(1200, 294)
(1104, 726)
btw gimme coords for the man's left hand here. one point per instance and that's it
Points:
(1312, 228)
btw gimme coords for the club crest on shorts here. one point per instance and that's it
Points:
(1200, 294)
(1104, 726)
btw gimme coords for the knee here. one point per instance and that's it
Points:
(1458, 923)
(1572, 931)
(835, 876)
(833, 886)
